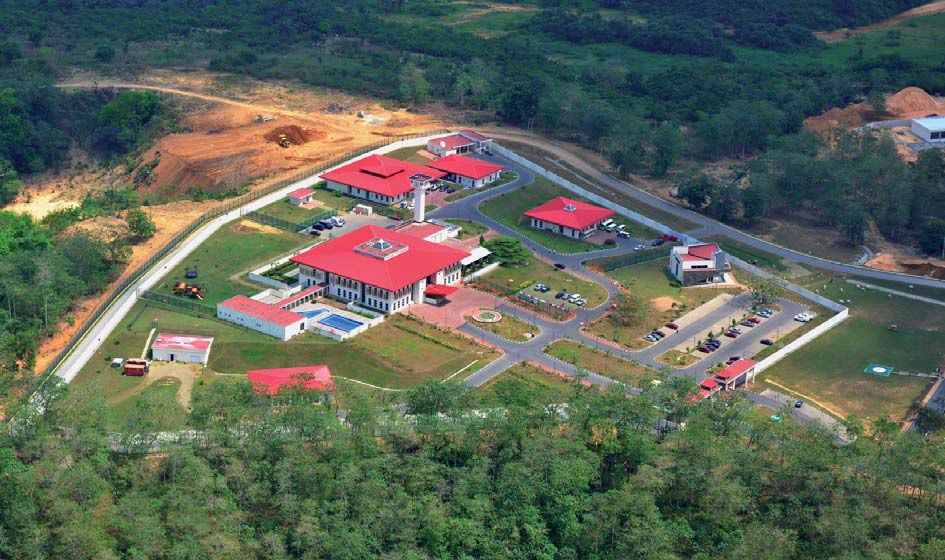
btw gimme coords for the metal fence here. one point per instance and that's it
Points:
(294, 227)
(190, 306)
(612, 263)
(214, 212)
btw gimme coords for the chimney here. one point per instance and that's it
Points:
(420, 184)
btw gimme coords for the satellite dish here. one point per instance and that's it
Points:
(442, 143)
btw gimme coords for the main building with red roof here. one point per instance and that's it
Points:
(570, 218)
(466, 171)
(377, 178)
(703, 263)
(379, 268)
(271, 381)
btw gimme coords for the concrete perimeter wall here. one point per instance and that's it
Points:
(801, 341)
(510, 155)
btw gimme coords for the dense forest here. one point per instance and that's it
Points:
(515, 480)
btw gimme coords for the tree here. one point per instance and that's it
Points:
(877, 102)
(520, 101)
(435, 397)
(630, 311)
(853, 224)
(697, 188)
(764, 291)
(122, 122)
(754, 204)
(140, 224)
(414, 87)
(509, 250)
(9, 183)
(104, 53)
(932, 236)
(666, 143)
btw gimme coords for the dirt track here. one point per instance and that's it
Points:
(926, 10)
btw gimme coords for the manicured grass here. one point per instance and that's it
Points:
(332, 199)
(830, 368)
(507, 208)
(164, 394)
(409, 154)
(751, 255)
(648, 281)
(526, 383)
(470, 228)
(538, 271)
(226, 256)
(600, 361)
(509, 327)
(289, 212)
(505, 178)
(676, 358)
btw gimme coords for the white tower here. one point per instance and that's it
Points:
(420, 184)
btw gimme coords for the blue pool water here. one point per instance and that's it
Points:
(312, 313)
(340, 323)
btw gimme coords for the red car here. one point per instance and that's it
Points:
(730, 334)
(672, 326)
(704, 350)
(754, 320)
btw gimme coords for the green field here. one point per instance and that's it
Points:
(226, 256)
(285, 211)
(470, 228)
(505, 178)
(509, 328)
(409, 154)
(830, 369)
(524, 383)
(600, 361)
(538, 271)
(507, 208)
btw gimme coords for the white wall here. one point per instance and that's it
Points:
(189, 356)
(801, 341)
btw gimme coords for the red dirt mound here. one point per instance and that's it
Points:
(909, 101)
(295, 134)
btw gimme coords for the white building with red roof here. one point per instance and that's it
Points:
(735, 375)
(703, 263)
(301, 196)
(466, 171)
(261, 317)
(570, 218)
(462, 142)
(379, 268)
(377, 178)
(181, 348)
(272, 381)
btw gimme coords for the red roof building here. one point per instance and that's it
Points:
(466, 171)
(377, 178)
(449, 145)
(379, 268)
(567, 217)
(739, 373)
(299, 193)
(473, 135)
(703, 263)
(261, 317)
(271, 381)
(181, 348)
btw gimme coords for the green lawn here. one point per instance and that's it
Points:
(600, 361)
(283, 210)
(830, 369)
(509, 327)
(507, 208)
(505, 178)
(538, 271)
(470, 228)
(526, 383)
(648, 281)
(332, 199)
(226, 256)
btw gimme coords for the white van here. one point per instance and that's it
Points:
(607, 223)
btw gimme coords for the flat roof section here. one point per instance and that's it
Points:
(182, 342)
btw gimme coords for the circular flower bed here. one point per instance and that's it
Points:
(486, 315)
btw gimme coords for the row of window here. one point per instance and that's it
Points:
(937, 135)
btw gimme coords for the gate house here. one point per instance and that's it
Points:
(181, 348)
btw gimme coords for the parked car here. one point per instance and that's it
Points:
(672, 326)
(650, 338)
(803, 317)
(560, 266)
(657, 242)
(731, 334)
(747, 323)
(337, 222)
(623, 235)
(582, 302)
(767, 341)
(714, 341)
(736, 330)
(315, 232)
(450, 190)
(639, 248)
(704, 349)
(798, 404)
(561, 295)
(753, 320)
(574, 297)
(660, 334)
(734, 358)
(318, 227)
(327, 224)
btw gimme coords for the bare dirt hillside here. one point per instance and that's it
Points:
(911, 102)
(926, 10)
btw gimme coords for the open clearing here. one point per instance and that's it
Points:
(830, 369)
(522, 384)
(601, 362)
(925, 10)
(225, 258)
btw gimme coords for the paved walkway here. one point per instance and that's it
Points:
(898, 292)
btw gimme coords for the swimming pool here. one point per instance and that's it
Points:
(312, 313)
(340, 322)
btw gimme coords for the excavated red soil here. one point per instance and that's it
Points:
(909, 102)
(297, 135)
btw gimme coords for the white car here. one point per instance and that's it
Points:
(574, 297)
(338, 222)
(803, 317)
(639, 248)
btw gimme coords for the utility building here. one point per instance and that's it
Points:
(929, 129)
(181, 348)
